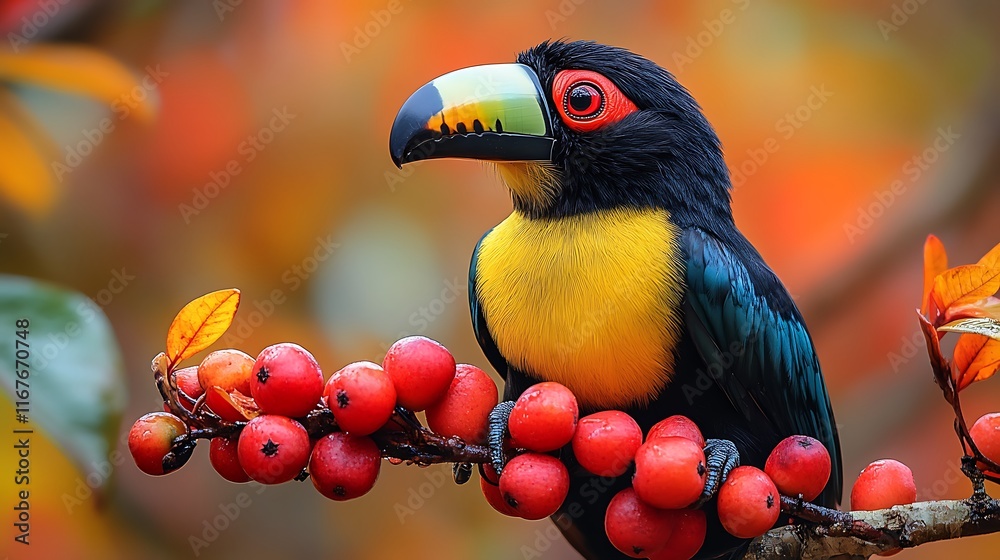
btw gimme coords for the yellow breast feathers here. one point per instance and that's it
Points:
(590, 301)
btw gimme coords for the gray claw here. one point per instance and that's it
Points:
(721, 457)
(497, 431)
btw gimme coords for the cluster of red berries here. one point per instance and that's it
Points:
(276, 391)
(273, 395)
(654, 518)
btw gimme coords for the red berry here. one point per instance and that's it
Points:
(344, 466)
(748, 503)
(534, 485)
(544, 417)
(286, 380)
(361, 397)
(491, 490)
(636, 528)
(223, 455)
(690, 526)
(421, 370)
(230, 369)
(669, 472)
(799, 465)
(986, 433)
(187, 381)
(677, 425)
(882, 484)
(605, 442)
(151, 438)
(464, 411)
(273, 449)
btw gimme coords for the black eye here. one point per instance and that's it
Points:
(583, 101)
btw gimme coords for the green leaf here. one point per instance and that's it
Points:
(974, 325)
(75, 382)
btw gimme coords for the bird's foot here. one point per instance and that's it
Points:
(721, 457)
(496, 437)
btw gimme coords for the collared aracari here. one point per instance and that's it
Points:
(620, 272)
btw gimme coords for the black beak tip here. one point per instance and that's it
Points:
(397, 148)
(409, 128)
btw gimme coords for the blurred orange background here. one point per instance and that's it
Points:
(253, 154)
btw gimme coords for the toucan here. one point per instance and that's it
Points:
(620, 272)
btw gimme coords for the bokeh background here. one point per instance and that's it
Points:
(247, 148)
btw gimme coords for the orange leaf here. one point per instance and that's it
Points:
(961, 282)
(233, 406)
(935, 262)
(992, 258)
(200, 323)
(976, 358)
(982, 308)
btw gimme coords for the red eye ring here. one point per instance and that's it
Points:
(584, 101)
(587, 101)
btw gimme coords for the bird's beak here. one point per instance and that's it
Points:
(493, 112)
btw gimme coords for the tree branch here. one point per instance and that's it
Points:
(900, 527)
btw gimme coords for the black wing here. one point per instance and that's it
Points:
(741, 318)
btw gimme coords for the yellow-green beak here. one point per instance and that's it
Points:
(493, 112)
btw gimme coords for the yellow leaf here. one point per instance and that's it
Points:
(992, 258)
(25, 179)
(935, 262)
(200, 323)
(961, 282)
(976, 358)
(79, 70)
